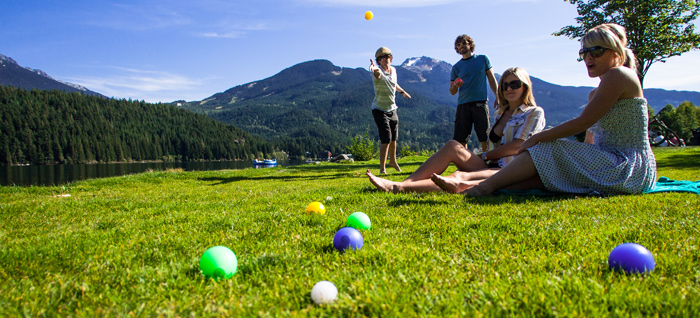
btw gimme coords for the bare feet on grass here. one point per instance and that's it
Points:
(467, 188)
(449, 184)
(475, 191)
(455, 185)
(395, 165)
(383, 184)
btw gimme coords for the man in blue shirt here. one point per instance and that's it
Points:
(469, 77)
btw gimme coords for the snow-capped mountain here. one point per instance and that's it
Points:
(12, 74)
(425, 64)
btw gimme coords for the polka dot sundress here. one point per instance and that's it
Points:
(619, 161)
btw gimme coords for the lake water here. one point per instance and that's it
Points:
(60, 174)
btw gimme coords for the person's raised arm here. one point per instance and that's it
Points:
(374, 69)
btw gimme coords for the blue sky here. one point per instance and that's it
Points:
(157, 50)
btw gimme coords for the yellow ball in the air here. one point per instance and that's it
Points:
(369, 15)
(316, 207)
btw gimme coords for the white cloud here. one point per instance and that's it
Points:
(229, 35)
(238, 31)
(151, 86)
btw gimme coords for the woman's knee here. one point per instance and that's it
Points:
(453, 145)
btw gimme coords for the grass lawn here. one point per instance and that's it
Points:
(130, 246)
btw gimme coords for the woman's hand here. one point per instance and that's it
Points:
(528, 143)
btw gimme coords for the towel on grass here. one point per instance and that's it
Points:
(667, 185)
(663, 185)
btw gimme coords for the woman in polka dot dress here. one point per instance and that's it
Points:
(616, 157)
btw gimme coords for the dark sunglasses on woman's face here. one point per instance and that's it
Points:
(595, 51)
(512, 84)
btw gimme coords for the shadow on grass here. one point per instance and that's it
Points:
(423, 199)
(342, 171)
(222, 180)
(681, 161)
(523, 199)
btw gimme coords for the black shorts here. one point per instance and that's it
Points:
(387, 124)
(472, 114)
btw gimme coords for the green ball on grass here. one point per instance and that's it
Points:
(218, 262)
(360, 221)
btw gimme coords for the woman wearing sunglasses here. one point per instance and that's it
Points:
(517, 118)
(616, 157)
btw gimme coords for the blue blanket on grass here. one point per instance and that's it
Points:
(667, 185)
(663, 185)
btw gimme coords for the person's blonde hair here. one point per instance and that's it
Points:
(528, 98)
(614, 37)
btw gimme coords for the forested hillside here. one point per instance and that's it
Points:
(42, 127)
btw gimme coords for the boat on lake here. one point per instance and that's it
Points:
(265, 163)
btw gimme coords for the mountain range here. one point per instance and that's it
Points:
(319, 100)
(316, 106)
(12, 74)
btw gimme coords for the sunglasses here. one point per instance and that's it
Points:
(595, 51)
(512, 84)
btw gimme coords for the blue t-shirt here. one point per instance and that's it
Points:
(473, 72)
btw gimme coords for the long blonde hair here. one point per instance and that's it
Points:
(614, 37)
(527, 98)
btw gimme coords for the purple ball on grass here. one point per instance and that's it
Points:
(347, 237)
(631, 258)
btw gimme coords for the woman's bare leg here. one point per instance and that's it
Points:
(419, 180)
(383, 151)
(521, 169)
(428, 185)
(392, 156)
(474, 175)
(404, 186)
(451, 152)
(461, 180)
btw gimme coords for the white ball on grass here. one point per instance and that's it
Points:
(324, 292)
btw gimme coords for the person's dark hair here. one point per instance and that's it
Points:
(383, 57)
(382, 52)
(465, 39)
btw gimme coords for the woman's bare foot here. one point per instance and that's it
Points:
(383, 184)
(395, 165)
(475, 191)
(450, 184)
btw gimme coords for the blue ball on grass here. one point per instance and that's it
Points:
(347, 237)
(631, 258)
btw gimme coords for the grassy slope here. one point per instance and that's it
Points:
(131, 245)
